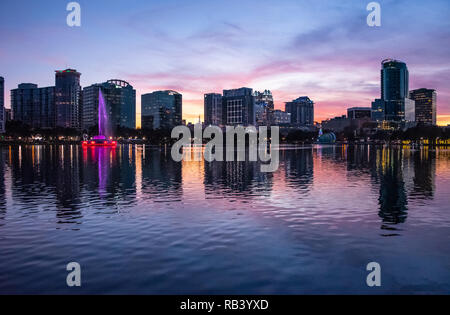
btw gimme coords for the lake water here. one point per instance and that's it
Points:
(138, 222)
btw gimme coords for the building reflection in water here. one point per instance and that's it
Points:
(424, 173)
(72, 180)
(2, 186)
(393, 199)
(399, 174)
(403, 175)
(359, 159)
(233, 178)
(236, 179)
(299, 168)
(161, 176)
(43, 172)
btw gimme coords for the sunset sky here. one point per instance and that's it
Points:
(322, 49)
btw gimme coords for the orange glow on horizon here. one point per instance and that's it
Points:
(192, 109)
(443, 120)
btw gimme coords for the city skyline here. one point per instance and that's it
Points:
(324, 51)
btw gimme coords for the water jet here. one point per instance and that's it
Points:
(101, 139)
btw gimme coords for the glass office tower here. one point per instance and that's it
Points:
(24, 105)
(120, 101)
(425, 105)
(161, 110)
(359, 112)
(264, 108)
(239, 107)
(394, 88)
(68, 98)
(378, 110)
(47, 100)
(34, 106)
(213, 109)
(2, 105)
(301, 110)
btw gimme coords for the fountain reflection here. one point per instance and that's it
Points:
(110, 176)
(72, 180)
(104, 159)
(135, 210)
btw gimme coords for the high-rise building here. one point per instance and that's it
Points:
(213, 109)
(89, 114)
(264, 108)
(394, 88)
(394, 104)
(125, 114)
(120, 102)
(161, 110)
(425, 106)
(261, 111)
(8, 114)
(302, 111)
(2, 105)
(34, 106)
(410, 111)
(378, 110)
(265, 97)
(359, 112)
(281, 118)
(394, 80)
(23, 103)
(239, 107)
(68, 98)
(47, 100)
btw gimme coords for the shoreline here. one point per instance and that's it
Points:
(281, 145)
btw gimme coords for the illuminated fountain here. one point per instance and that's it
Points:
(101, 139)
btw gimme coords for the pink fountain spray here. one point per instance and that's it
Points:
(101, 139)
